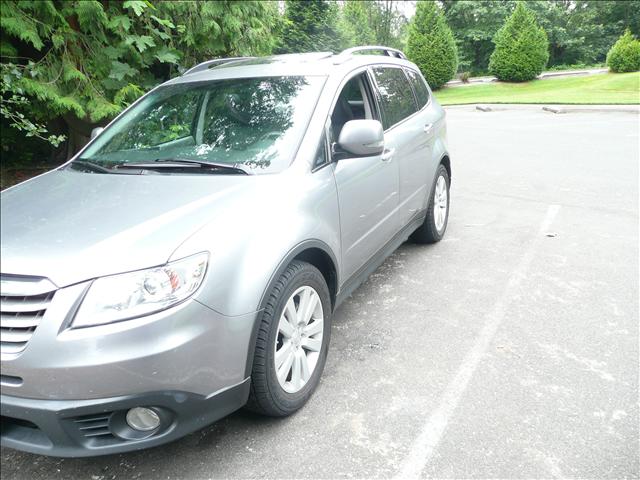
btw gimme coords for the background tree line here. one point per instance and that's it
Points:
(67, 66)
(579, 31)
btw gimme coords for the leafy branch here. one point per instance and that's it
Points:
(13, 102)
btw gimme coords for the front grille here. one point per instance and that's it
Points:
(23, 302)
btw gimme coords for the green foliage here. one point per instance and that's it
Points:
(624, 56)
(355, 23)
(207, 30)
(431, 45)
(11, 104)
(521, 51)
(311, 26)
(579, 32)
(474, 24)
(389, 24)
(600, 23)
(136, 6)
(84, 60)
(317, 25)
(16, 22)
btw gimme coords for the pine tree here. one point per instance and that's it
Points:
(431, 45)
(78, 64)
(311, 26)
(522, 47)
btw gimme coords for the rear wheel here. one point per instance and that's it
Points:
(435, 223)
(292, 343)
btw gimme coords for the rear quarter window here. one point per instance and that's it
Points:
(419, 87)
(396, 96)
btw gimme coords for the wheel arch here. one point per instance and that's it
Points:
(315, 252)
(446, 162)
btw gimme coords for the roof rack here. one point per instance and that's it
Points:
(210, 63)
(305, 55)
(391, 52)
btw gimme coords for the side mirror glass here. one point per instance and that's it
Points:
(362, 138)
(95, 132)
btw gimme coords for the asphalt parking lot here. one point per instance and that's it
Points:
(509, 350)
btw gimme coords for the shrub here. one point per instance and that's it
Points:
(522, 47)
(431, 45)
(624, 56)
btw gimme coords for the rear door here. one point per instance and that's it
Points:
(427, 122)
(404, 138)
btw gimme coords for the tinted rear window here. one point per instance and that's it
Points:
(396, 98)
(422, 92)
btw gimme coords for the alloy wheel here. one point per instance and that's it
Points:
(440, 203)
(299, 339)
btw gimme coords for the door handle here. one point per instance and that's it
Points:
(388, 154)
(428, 127)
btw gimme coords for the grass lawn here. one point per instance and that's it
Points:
(601, 89)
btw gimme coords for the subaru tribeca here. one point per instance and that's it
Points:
(188, 260)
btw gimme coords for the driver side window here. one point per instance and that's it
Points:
(353, 104)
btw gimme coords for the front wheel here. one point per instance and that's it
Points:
(435, 223)
(292, 343)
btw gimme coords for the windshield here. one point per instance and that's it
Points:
(256, 123)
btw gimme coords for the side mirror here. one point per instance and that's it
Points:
(95, 132)
(362, 138)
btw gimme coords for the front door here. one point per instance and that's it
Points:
(367, 186)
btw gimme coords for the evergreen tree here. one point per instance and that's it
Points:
(522, 48)
(624, 56)
(600, 23)
(474, 23)
(311, 26)
(431, 45)
(75, 64)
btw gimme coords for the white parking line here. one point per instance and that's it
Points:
(431, 434)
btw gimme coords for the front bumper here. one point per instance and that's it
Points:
(188, 348)
(67, 391)
(84, 428)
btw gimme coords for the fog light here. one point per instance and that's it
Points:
(143, 419)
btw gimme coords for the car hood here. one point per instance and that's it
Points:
(72, 226)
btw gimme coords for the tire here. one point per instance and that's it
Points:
(435, 223)
(270, 395)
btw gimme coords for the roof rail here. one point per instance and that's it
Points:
(209, 63)
(391, 52)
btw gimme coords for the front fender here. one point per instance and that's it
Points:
(255, 239)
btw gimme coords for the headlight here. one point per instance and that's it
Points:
(134, 294)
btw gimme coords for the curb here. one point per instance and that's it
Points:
(544, 75)
(593, 109)
(555, 109)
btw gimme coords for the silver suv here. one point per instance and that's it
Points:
(188, 260)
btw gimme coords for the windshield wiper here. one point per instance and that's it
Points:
(181, 163)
